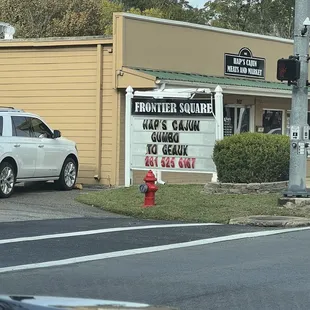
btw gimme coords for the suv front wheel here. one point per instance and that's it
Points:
(7, 179)
(68, 175)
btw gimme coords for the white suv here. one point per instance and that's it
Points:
(31, 151)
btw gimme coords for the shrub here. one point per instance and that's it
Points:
(252, 158)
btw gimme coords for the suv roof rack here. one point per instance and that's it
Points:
(9, 109)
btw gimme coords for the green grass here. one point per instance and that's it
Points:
(187, 203)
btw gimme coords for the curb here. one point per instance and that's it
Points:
(271, 221)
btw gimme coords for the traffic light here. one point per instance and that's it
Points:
(288, 69)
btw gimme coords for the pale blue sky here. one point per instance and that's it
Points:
(199, 3)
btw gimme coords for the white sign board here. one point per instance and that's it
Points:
(172, 134)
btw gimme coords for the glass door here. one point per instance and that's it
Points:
(273, 121)
(236, 119)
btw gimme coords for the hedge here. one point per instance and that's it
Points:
(252, 158)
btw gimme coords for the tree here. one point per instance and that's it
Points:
(284, 11)
(232, 14)
(270, 17)
(108, 8)
(78, 18)
(152, 12)
(43, 18)
(169, 9)
(30, 18)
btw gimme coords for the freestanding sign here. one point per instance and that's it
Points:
(173, 134)
(244, 64)
(170, 134)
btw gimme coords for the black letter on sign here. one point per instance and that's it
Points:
(176, 138)
(185, 147)
(153, 137)
(151, 126)
(197, 126)
(152, 149)
(164, 125)
(145, 124)
(175, 125)
(156, 124)
(165, 149)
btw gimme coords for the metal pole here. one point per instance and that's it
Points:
(299, 110)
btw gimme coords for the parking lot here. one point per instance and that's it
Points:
(42, 202)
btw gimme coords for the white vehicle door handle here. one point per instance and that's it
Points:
(41, 145)
(16, 145)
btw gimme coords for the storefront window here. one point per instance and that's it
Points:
(273, 121)
(236, 120)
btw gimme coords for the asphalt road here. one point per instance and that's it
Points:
(42, 202)
(254, 273)
(61, 247)
(36, 251)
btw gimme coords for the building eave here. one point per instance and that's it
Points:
(232, 89)
(56, 41)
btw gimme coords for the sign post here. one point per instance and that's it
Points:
(128, 173)
(219, 112)
(298, 121)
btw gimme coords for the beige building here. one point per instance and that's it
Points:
(78, 84)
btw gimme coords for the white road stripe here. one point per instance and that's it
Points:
(89, 258)
(100, 231)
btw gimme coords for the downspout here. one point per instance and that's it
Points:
(99, 78)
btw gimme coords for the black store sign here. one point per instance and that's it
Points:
(245, 65)
(173, 107)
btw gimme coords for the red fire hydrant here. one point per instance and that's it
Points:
(149, 189)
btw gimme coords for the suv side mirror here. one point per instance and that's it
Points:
(57, 134)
